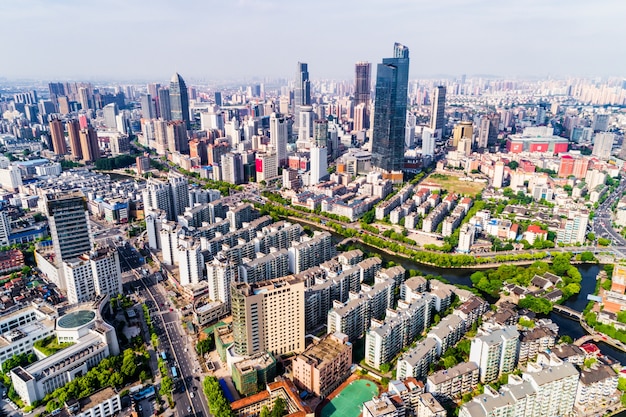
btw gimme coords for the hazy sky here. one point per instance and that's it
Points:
(208, 39)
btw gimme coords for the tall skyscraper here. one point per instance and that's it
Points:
(73, 132)
(58, 137)
(302, 90)
(278, 137)
(179, 100)
(68, 220)
(602, 145)
(437, 114)
(390, 104)
(362, 90)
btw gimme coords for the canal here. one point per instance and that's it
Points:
(459, 276)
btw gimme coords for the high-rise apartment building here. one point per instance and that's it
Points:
(302, 90)
(147, 107)
(57, 132)
(220, 274)
(392, 80)
(231, 165)
(156, 196)
(73, 133)
(362, 90)
(311, 252)
(179, 100)
(268, 316)
(179, 190)
(93, 274)
(68, 220)
(495, 353)
(437, 112)
(89, 148)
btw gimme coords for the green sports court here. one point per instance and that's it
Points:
(349, 401)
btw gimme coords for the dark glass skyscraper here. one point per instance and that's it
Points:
(165, 111)
(179, 100)
(392, 80)
(362, 89)
(301, 91)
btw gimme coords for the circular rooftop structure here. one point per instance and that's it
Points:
(76, 319)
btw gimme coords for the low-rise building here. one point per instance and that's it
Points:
(451, 383)
(103, 403)
(428, 406)
(253, 371)
(323, 366)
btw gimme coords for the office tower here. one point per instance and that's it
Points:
(302, 91)
(89, 148)
(160, 136)
(147, 107)
(58, 137)
(488, 130)
(68, 220)
(268, 316)
(392, 80)
(320, 132)
(409, 130)
(464, 129)
(498, 174)
(218, 98)
(179, 190)
(73, 131)
(437, 112)
(165, 110)
(319, 164)
(179, 100)
(110, 113)
(305, 126)
(495, 353)
(362, 91)
(603, 145)
(601, 122)
(231, 165)
(278, 137)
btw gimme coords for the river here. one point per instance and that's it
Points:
(459, 276)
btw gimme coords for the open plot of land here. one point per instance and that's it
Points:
(453, 184)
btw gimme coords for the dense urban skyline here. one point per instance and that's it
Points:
(205, 40)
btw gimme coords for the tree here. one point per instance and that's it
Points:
(205, 345)
(604, 242)
(385, 367)
(265, 412)
(513, 165)
(591, 236)
(278, 410)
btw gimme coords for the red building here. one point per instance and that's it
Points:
(11, 260)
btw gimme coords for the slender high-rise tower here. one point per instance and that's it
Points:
(58, 137)
(362, 90)
(89, 148)
(437, 119)
(165, 111)
(179, 100)
(302, 91)
(278, 137)
(73, 129)
(392, 80)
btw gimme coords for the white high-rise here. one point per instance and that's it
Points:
(190, 262)
(220, 274)
(466, 237)
(495, 353)
(93, 274)
(498, 174)
(278, 137)
(179, 188)
(428, 142)
(319, 164)
(156, 196)
(5, 228)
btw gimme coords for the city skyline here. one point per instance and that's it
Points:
(532, 38)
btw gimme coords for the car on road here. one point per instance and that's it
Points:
(189, 409)
(192, 395)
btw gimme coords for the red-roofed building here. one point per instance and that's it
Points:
(566, 168)
(535, 232)
(251, 406)
(590, 349)
(11, 260)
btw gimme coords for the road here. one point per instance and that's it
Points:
(602, 222)
(188, 395)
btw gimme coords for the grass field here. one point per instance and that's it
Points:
(453, 184)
